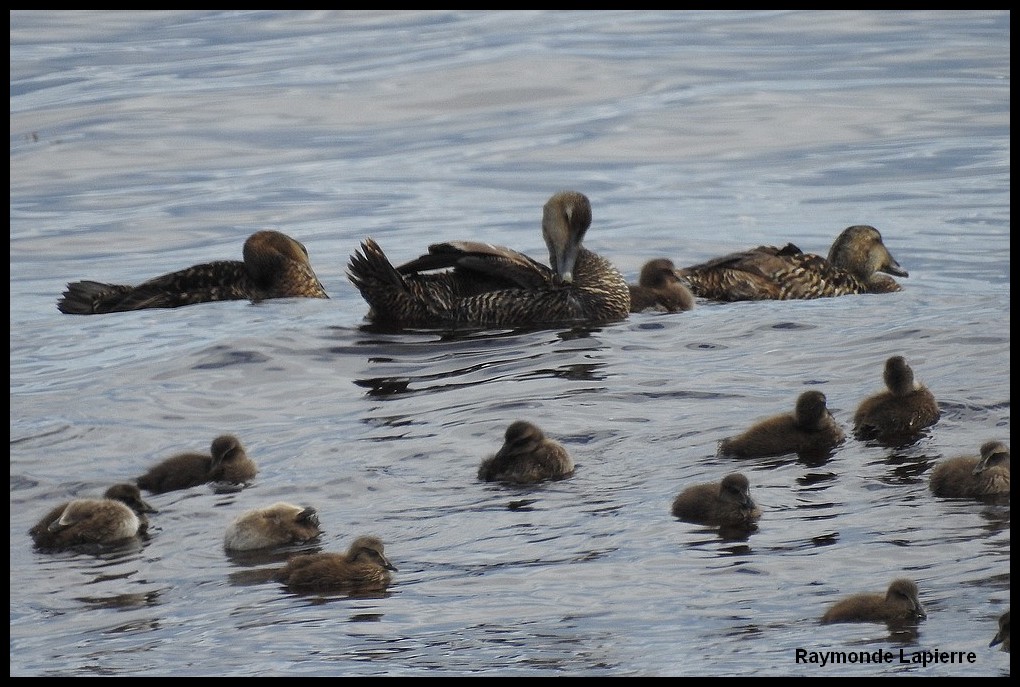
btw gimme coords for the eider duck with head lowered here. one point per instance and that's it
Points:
(659, 289)
(274, 266)
(467, 284)
(118, 516)
(854, 262)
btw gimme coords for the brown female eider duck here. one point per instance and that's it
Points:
(119, 515)
(970, 477)
(363, 568)
(659, 289)
(276, 525)
(482, 285)
(727, 503)
(787, 273)
(809, 429)
(901, 411)
(898, 605)
(274, 266)
(527, 456)
(226, 462)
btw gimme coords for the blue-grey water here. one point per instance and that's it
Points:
(144, 142)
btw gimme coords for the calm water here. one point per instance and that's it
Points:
(147, 142)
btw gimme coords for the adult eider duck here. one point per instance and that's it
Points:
(527, 456)
(659, 289)
(900, 604)
(482, 285)
(727, 503)
(276, 525)
(901, 411)
(226, 462)
(118, 516)
(770, 273)
(364, 567)
(985, 475)
(274, 266)
(810, 429)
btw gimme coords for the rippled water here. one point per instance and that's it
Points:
(147, 142)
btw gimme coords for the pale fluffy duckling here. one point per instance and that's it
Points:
(527, 456)
(276, 525)
(974, 476)
(118, 516)
(363, 568)
(659, 289)
(900, 604)
(727, 503)
(227, 462)
(901, 411)
(810, 429)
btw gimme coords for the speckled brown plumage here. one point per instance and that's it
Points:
(659, 289)
(527, 456)
(119, 515)
(974, 477)
(900, 412)
(364, 567)
(226, 462)
(274, 266)
(770, 273)
(482, 285)
(810, 429)
(276, 525)
(900, 604)
(727, 503)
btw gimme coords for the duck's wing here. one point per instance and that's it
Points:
(486, 266)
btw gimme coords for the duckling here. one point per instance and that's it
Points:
(275, 525)
(899, 604)
(527, 456)
(659, 289)
(1002, 636)
(275, 266)
(810, 429)
(901, 411)
(727, 503)
(973, 476)
(492, 286)
(119, 515)
(228, 462)
(787, 273)
(363, 568)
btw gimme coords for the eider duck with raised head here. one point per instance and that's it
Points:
(856, 258)
(471, 284)
(118, 516)
(274, 266)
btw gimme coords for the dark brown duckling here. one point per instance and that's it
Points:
(274, 266)
(527, 456)
(1002, 636)
(901, 411)
(727, 503)
(968, 477)
(227, 462)
(276, 525)
(900, 604)
(482, 285)
(810, 429)
(119, 515)
(363, 568)
(769, 273)
(659, 289)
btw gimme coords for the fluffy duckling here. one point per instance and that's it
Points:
(659, 289)
(727, 503)
(810, 429)
(274, 266)
(275, 525)
(901, 411)
(898, 605)
(363, 568)
(973, 476)
(527, 456)
(227, 462)
(119, 515)
(1002, 636)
